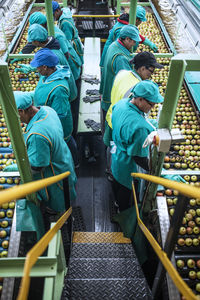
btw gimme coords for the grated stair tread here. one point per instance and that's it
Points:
(104, 270)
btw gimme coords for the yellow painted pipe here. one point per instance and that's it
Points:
(183, 188)
(183, 288)
(17, 192)
(36, 251)
(95, 16)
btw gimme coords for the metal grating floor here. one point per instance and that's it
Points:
(104, 270)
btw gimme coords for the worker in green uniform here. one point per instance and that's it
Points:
(130, 129)
(144, 66)
(118, 57)
(53, 90)
(66, 24)
(122, 21)
(47, 152)
(66, 47)
(38, 36)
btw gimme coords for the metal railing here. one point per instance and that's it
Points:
(186, 190)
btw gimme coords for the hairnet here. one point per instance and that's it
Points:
(37, 32)
(37, 18)
(55, 6)
(130, 31)
(141, 13)
(148, 90)
(44, 57)
(23, 99)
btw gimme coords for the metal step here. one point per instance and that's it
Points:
(103, 265)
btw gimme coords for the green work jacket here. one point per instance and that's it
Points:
(117, 58)
(130, 129)
(54, 91)
(46, 148)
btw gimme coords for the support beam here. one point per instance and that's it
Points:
(50, 19)
(132, 12)
(118, 6)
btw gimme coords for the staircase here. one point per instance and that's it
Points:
(103, 266)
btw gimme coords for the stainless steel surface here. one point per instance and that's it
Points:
(164, 227)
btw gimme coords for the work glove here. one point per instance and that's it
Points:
(25, 69)
(91, 99)
(11, 168)
(94, 92)
(147, 42)
(16, 59)
(173, 177)
(94, 125)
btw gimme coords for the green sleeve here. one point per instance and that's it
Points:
(135, 147)
(59, 101)
(67, 28)
(121, 63)
(39, 152)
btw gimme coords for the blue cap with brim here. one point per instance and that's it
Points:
(44, 57)
(130, 31)
(55, 6)
(141, 13)
(148, 90)
(37, 18)
(37, 32)
(23, 99)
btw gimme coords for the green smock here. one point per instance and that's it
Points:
(46, 148)
(63, 62)
(54, 91)
(65, 45)
(113, 36)
(130, 129)
(117, 58)
(66, 24)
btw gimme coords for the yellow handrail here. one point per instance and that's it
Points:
(36, 251)
(20, 191)
(178, 281)
(95, 16)
(185, 189)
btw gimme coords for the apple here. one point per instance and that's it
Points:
(184, 221)
(4, 223)
(9, 213)
(168, 192)
(198, 287)
(198, 274)
(4, 205)
(196, 230)
(198, 201)
(181, 242)
(17, 180)
(3, 234)
(175, 200)
(180, 263)
(192, 212)
(2, 180)
(188, 242)
(189, 230)
(192, 202)
(197, 220)
(192, 275)
(166, 165)
(169, 201)
(171, 211)
(4, 253)
(2, 214)
(198, 263)
(188, 217)
(5, 244)
(191, 263)
(176, 193)
(194, 178)
(198, 212)
(195, 242)
(9, 180)
(191, 224)
(182, 230)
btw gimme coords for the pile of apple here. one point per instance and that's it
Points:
(6, 215)
(189, 269)
(150, 30)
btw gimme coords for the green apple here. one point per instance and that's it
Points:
(9, 180)
(11, 204)
(188, 242)
(198, 287)
(192, 275)
(182, 230)
(5, 205)
(195, 242)
(2, 180)
(3, 234)
(2, 214)
(4, 253)
(180, 263)
(192, 202)
(4, 224)
(191, 263)
(5, 244)
(196, 230)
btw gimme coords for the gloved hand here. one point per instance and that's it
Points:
(147, 42)
(11, 168)
(16, 59)
(25, 69)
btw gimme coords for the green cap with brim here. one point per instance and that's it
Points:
(148, 90)
(37, 18)
(38, 33)
(141, 13)
(23, 99)
(130, 31)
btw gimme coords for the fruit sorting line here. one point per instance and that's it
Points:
(181, 157)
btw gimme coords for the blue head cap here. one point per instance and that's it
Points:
(141, 13)
(37, 18)
(44, 57)
(148, 90)
(55, 6)
(38, 33)
(130, 31)
(23, 99)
